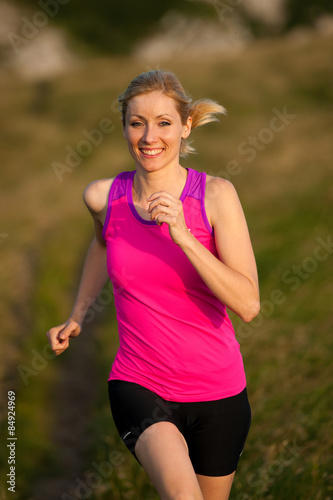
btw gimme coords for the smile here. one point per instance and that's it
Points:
(151, 152)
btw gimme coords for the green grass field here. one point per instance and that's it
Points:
(275, 145)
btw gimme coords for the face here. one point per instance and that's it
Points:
(154, 130)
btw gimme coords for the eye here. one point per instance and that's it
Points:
(135, 124)
(165, 123)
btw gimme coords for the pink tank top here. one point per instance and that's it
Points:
(176, 338)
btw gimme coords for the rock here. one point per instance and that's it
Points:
(30, 46)
(186, 37)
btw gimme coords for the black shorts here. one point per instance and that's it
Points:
(215, 431)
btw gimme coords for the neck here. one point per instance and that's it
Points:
(170, 179)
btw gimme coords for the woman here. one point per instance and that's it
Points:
(178, 252)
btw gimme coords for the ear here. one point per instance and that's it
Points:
(187, 128)
(124, 130)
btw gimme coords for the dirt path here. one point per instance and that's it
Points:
(74, 394)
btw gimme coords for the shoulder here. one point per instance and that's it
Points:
(221, 199)
(96, 194)
(220, 192)
(218, 185)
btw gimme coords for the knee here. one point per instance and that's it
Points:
(187, 496)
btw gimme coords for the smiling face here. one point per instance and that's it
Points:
(154, 130)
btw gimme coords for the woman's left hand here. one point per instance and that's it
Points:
(164, 207)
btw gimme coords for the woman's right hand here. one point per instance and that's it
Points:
(59, 335)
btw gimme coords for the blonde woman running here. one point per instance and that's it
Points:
(175, 244)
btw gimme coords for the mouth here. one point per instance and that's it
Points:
(151, 153)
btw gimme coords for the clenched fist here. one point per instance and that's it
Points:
(59, 335)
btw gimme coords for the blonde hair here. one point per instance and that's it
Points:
(202, 111)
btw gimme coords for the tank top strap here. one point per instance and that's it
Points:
(196, 197)
(119, 185)
(197, 185)
(118, 190)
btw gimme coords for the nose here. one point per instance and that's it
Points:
(149, 136)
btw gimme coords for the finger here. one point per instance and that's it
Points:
(56, 346)
(162, 210)
(165, 209)
(62, 347)
(165, 202)
(63, 334)
(52, 336)
(168, 219)
(157, 202)
(71, 331)
(162, 197)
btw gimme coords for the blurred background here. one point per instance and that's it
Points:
(62, 66)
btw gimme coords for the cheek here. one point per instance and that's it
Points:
(172, 136)
(132, 136)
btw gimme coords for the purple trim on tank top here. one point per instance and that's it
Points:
(202, 203)
(123, 183)
(197, 191)
(195, 188)
(117, 190)
(131, 203)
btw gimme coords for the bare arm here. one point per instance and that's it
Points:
(94, 274)
(93, 278)
(232, 277)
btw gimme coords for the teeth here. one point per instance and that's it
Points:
(151, 152)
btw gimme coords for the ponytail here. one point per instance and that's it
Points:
(202, 111)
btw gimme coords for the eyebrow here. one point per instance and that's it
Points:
(159, 116)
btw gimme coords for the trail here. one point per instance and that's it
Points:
(74, 394)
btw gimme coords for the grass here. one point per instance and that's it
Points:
(63, 423)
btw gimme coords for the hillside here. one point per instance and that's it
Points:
(275, 145)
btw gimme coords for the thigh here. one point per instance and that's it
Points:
(216, 432)
(136, 408)
(215, 488)
(163, 453)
